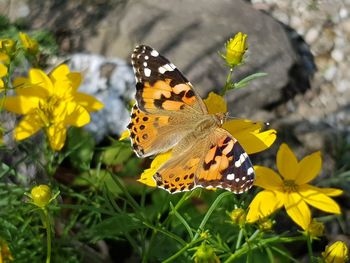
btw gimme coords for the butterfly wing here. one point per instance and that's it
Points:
(218, 162)
(167, 106)
(160, 86)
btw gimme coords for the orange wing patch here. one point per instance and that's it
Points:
(161, 95)
(143, 129)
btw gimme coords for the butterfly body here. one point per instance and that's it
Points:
(169, 115)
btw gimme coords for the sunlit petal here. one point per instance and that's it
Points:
(264, 204)
(57, 136)
(267, 178)
(76, 115)
(39, 78)
(21, 104)
(308, 168)
(248, 135)
(75, 78)
(327, 191)
(88, 102)
(25, 88)
(60, 72)
(147, 176)
(29, 125)
(215, 103)
(287, 163)
(297, 209)
(125, 135)
(319, 200)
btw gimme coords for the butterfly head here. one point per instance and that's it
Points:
(221, 117)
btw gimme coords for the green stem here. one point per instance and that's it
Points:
(228, 82)
(182, 250)
(309, 248)
(210, 211)
(48, 235)
(239, 238)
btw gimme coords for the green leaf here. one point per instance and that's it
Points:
(244, 82)
(115, 226)
(117, 153)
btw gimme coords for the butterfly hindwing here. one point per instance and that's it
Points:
(220, 162)
(226, 165)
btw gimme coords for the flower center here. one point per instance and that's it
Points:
(48, 110)
(290, 186)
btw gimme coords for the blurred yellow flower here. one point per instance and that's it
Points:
(238, 216)
(7, 46)
(5, 252)
(291, 189)
(245, 131)
(28, 43)
(51, 102)
(41, 195)
(3, 73)
(336, 253)
(235, 49)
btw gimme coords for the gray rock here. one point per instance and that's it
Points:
(112, 82)
(190, 33)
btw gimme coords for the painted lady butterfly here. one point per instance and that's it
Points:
(169, 115)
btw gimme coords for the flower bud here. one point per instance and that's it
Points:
(28, 43)
(315, 229)
(7, 46)
(5, 252)
(235, 49)
(205, 254)
(336, 253)
(265, 224)
(41, 195)
(238, 216)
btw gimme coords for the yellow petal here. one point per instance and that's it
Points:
(3, 70)
(76, 115)
(88, 102)
(215, 103)
(2, 85)
(308, 168)
(29, 125)
(264, 204)
(57, 136)
(331, 191)
(249, 136)
(287, 163)
(318, 199)
(147, 176)
(125, 135)
(60, 72)
(75, 78)
(336, 253)
(39, 78)
(21, 104)
(267, 178)
(297, 209)
(25, 88)
(4, 58)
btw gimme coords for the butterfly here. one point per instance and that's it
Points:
(169, 115)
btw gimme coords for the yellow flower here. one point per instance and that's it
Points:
(245, 131)
(41, 195)
(51, 102)
(291, 189)
(315, 229)
(336, 253)
(205, 254)
(28, 43)
(5, 252)
(235, 49)
(3, 73)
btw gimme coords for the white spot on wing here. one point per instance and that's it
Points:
(242, 158)
(145, 64)
(154, 53)
(250, 171)
(230, 177)
(147, 72)
(146, 57)
(237, 180)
